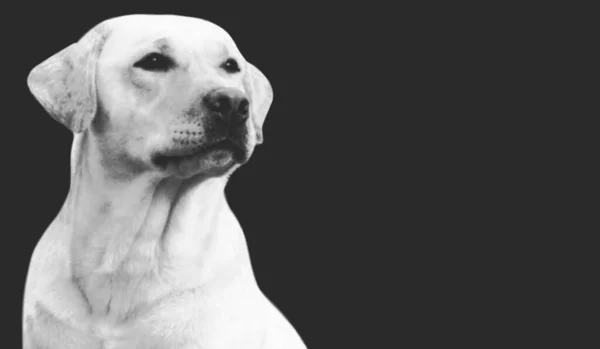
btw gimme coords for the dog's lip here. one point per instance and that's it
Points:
(225, 144)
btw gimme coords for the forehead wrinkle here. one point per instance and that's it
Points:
(163, 43)
(211, 49)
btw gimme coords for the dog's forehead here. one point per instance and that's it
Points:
(136, 30)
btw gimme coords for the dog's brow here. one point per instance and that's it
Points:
(217, 49)
(162, 44)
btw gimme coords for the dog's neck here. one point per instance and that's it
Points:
(144, 225)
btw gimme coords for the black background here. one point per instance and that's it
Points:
(299, 200)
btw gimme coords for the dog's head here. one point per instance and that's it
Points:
(167, 94)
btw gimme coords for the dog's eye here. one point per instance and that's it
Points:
(155, 62)
(231, 66)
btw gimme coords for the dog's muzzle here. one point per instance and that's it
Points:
(225, 131)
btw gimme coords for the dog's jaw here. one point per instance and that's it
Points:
(215, 159)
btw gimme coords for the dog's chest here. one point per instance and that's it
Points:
(118, 276)
(230, 317)
(219, 317)
(139, 310)
(118, 293)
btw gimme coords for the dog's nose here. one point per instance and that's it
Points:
(230, 104)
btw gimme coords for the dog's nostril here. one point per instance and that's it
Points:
(222, 104)
(243, 106)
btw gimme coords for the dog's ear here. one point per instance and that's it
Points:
(64, 84)
(260, 93)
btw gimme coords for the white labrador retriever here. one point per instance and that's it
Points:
(146, 253)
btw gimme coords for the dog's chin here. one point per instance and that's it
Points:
(211, 160)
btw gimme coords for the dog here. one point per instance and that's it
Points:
(145, 252)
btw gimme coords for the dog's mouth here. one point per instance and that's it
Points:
(221, 151)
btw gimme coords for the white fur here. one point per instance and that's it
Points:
(146, 259)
